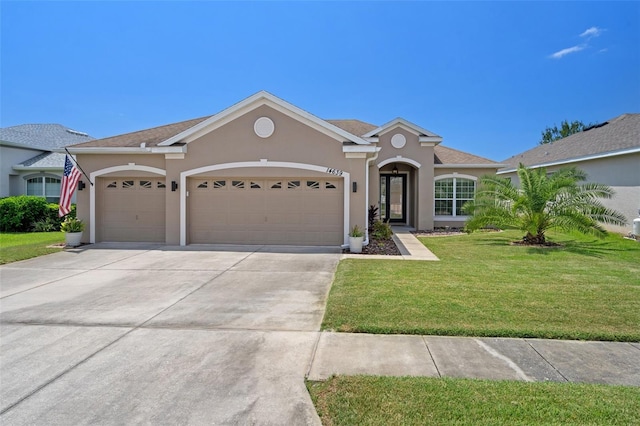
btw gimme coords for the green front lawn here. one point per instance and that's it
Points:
(420, 400)
(587, 289)
(25, 245)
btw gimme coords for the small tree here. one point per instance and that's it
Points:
(541, 203)
(554, 133)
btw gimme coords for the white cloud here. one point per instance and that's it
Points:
(592, 32)
(560, 53)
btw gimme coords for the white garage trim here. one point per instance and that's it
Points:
(92, 190)
(262, 163)
(399, 159)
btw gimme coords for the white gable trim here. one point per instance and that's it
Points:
(92, 190)
(253, 102)
(262, 163)
(407, 125)
(399, 159)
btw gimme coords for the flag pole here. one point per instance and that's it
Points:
(80, 168)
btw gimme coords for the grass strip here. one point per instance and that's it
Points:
(368, 400)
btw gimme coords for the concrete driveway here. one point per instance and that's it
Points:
(161, 335)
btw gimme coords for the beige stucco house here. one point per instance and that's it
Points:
(608, 152)
(264, 171)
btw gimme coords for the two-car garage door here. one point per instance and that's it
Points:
(245, 210)
(225, 210)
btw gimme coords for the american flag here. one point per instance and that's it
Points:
(69, 182)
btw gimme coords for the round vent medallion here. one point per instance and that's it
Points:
(398, 140)
(264, 127)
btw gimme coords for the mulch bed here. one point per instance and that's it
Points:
(389, 248)
(385, 247)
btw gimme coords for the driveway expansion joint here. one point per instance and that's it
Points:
(547, 361)
(424, 339)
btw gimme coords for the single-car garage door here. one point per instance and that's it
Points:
(131, 209)
(296, 211)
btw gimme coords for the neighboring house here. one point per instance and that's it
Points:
(267, 172)
(27, 164)
(609, 153)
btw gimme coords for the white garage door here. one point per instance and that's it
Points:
(131, 209)
(296, 211)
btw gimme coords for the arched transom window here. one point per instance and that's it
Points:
(44, 186)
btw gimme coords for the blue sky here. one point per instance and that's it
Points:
(487, 76)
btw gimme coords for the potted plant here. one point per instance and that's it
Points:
(355, 239)
(72, 228)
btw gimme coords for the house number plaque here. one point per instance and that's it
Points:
(335, 172)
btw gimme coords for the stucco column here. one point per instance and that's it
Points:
(425, 190)
(172, 212)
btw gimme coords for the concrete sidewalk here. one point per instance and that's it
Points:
(410, 247)
(612, 363)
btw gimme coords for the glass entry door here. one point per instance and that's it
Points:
(393, 198)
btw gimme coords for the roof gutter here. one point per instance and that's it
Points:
(575, 160)
(19, 167)
(23, 146)
(469, 166)
(126, 150)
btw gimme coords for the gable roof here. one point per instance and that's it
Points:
(616, 136)
(150, 137)
(253, 102)
(443, 155)
(403, 123)
(45, 137)
(353, 126)
(186, 131)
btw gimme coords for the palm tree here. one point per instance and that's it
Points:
(541, 203)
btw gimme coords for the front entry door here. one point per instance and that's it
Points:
(393, 198)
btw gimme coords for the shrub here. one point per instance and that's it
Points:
(18, 213)
(10, 215)
(381, 231)
(25, 213)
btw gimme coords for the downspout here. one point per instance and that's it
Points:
(366, 220)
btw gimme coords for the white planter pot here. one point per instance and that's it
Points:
(73, 238)
(355, 244)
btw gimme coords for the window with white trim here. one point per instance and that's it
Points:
(451, 194)
(44, 186)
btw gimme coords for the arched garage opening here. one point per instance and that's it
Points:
(127, 204)
(264, 202)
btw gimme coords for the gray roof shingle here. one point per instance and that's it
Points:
(42, 136)
(445, 155)
(45, 160)
(618, 134)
